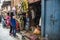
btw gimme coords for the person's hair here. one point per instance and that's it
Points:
(11, 14)
(8, 13)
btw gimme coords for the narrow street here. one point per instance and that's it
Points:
(4, 34)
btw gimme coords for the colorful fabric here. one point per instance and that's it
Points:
(8, 20)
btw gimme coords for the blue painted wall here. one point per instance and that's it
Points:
(51, 19)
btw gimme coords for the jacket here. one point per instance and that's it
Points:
(13, 22)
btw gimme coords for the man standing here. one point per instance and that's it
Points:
(27, 23)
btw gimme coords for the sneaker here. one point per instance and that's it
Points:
(10, 34)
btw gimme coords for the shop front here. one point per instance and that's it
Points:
(35, 11)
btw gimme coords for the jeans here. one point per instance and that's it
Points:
(14, 31)
(27, 27)
(10, 29)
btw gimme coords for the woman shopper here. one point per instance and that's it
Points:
(3, 22)
(8, 20)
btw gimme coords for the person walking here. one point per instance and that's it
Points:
(10, 26)
(13, 25)
(11, 16)
(8, 20)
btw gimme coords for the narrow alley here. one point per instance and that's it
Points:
(29, 19)
(4, 34)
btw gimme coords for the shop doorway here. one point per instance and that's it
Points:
(35, 13)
